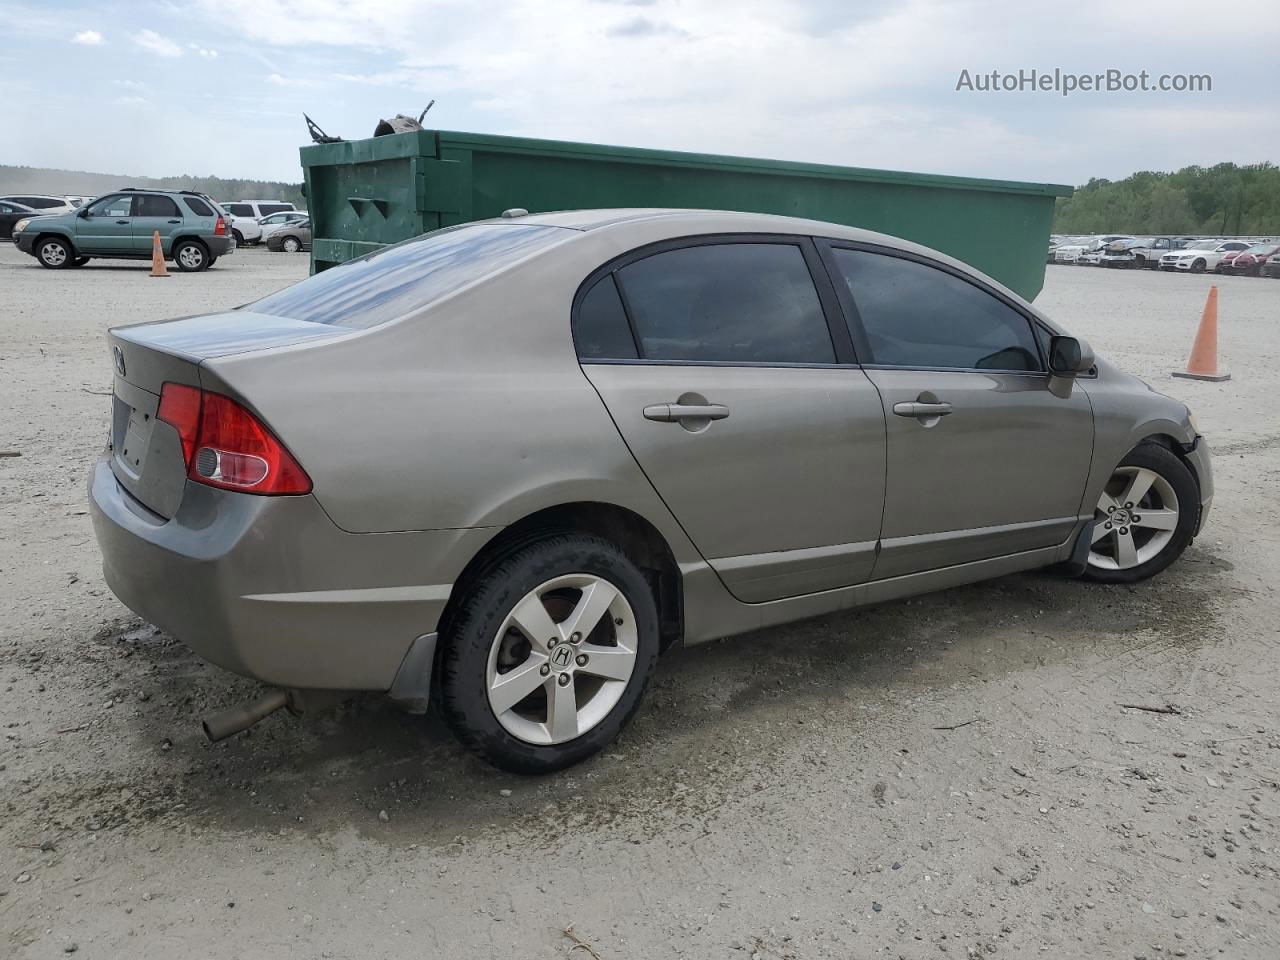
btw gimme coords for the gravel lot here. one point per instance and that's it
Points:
(946, 776)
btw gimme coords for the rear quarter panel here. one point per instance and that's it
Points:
(472, 413)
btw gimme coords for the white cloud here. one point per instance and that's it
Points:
(88, 38)
(203, 51)
(155, 43)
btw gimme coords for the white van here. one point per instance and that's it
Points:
(245, 215)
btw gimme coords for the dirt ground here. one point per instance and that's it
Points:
(952, 775)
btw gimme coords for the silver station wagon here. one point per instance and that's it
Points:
(504, 466)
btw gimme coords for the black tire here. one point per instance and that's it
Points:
(79, 261)
(212, 261)
(239, 237)
(1199, 266)
(1159, 459)
(191, 256)
(1140, 261)
(54, 253)
(471, 631)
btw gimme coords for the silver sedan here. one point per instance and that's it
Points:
(508, 464)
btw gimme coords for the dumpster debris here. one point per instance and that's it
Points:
(318, 135)
(401, 124)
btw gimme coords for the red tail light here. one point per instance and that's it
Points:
(226, 446)
(220, 228)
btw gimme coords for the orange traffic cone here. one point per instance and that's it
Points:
(1203, 364)
(158, 268)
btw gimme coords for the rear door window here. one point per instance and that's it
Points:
(147, 205)
(266, 208)
(916, 315)
(406, 277)
(727, 303)
(239, 209)
(600, 328)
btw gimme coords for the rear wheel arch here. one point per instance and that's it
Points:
(641, 542)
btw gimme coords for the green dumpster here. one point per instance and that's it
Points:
(364, 194)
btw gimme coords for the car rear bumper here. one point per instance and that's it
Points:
(220, 246)
(270, 588)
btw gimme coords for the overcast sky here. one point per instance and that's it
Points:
(219, 86)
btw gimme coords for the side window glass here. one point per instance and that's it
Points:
(915, 315)
(727, 302)
(153, 206)
(117, 206)
(600, 329)
(239, 209)
(197, 206)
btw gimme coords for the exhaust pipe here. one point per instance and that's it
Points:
(219, 726)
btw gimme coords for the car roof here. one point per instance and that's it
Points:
(633, 227)
(678, 222)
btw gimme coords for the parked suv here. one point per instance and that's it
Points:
(247, 214)
(720, 422)
(120, 226)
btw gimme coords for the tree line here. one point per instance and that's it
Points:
(1224, 199)
(21, 179)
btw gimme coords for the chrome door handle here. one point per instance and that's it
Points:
(675, 412)
(917, 409)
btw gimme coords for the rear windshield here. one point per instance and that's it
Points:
(405, 277)
(269, 208)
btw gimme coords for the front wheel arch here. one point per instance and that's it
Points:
(51, 235)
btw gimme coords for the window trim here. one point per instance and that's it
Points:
(826, 247)
(837, 329)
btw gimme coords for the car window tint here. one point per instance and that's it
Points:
(5, 208)
(730, 302)
(153, 206)
(405, 277)
(239, 209)
(600, 328)
(41, 203)
(915, 315)
(266, 208)
(117, 206)
(198, 206)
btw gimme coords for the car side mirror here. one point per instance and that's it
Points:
(82, 213)
(1069, 356)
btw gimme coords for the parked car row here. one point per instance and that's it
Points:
(253, 221)
(1248, 256)
(70, 230)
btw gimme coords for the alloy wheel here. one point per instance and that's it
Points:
(191, 257)
(1135, 519)
(561, 659)
(53, 253)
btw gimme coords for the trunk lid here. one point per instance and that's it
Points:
(146, 453)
